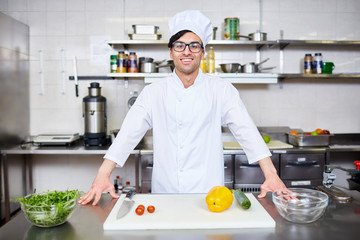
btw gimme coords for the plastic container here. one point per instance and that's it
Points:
(318, 63)
(132, 63)
(113, 64)
(203, 65)
(302, 205)
(121, 62)
(308, 62)
(210, 61)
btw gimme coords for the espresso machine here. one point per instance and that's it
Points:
(94, 113)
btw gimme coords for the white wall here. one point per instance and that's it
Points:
(74, 25)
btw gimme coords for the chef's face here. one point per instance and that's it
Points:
(187, 62)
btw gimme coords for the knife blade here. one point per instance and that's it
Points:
(126, 204)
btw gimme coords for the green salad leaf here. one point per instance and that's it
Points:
(48, 208)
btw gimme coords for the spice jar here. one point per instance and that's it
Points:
(308, 60)
(113, 63)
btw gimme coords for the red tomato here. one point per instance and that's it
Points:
(151, 209)
(139, 211)
(141, 206)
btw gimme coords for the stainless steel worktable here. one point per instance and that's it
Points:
(340, 221)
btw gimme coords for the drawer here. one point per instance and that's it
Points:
(145, 186)
(146, 167)
(304, 183)
(301, 166)
(228, 168)
(251, 173)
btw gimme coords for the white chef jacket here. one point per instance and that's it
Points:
(187, 137)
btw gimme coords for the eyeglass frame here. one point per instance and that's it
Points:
(188, 45)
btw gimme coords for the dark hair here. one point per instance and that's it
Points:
(176, 36)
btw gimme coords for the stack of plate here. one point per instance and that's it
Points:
(145, 32)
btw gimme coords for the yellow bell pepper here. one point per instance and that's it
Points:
(219, 199)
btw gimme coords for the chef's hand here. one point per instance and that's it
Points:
(272, 180)
(101, 184)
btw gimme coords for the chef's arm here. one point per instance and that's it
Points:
(272, 180)
(101, 184)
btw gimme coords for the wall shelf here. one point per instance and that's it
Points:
(235, 78)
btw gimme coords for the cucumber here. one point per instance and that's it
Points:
(242, 199)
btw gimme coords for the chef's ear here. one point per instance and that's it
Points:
(171, 55)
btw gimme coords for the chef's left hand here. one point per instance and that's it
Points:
(272, 180)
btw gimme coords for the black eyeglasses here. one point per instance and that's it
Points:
(194, 47)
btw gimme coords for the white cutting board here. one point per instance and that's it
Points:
(187, 211)
(273, 144)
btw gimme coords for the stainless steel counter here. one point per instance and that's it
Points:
(340, 221)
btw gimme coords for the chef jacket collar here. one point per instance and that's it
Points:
(179, 83)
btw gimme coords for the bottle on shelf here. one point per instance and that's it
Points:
(318, 63)
(210, 61)
(120, 187)
(203, 65)
(308, 62)
(113, 63)
(116, 185)
(121, 62)
(132, 63)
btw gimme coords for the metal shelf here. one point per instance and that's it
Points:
(320, 76)
(235, 78)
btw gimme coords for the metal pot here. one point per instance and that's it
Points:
(251, 67)
(145, 65)
(256, 36)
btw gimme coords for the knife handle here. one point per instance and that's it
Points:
(130, 194)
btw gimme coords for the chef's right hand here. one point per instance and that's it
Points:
(101, 184)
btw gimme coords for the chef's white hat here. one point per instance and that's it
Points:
(194, 21)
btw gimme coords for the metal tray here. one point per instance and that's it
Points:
(144, 36)
(309, 140)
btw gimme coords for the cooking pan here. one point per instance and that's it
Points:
(251, 67)
(256, 36)
(230, 67)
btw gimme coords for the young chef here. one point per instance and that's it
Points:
(186, 111)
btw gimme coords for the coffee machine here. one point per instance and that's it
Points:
(94, 113)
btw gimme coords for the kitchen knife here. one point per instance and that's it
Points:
(126, 204)
(76, 78)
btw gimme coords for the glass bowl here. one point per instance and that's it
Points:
(49, 215)
(302, 205)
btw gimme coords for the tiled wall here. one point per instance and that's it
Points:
(67, 28)
(62, 29)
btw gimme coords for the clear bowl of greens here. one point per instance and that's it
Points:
(49, 209)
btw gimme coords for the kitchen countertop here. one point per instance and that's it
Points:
(340, 221)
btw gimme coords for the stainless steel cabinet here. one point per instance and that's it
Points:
(302, 169)
(249, 177)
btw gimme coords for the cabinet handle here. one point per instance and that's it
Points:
(309, 163)
(246, 165)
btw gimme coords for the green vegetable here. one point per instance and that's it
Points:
(50, 208)
(242, 199)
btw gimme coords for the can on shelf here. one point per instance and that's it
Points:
(231, 28)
